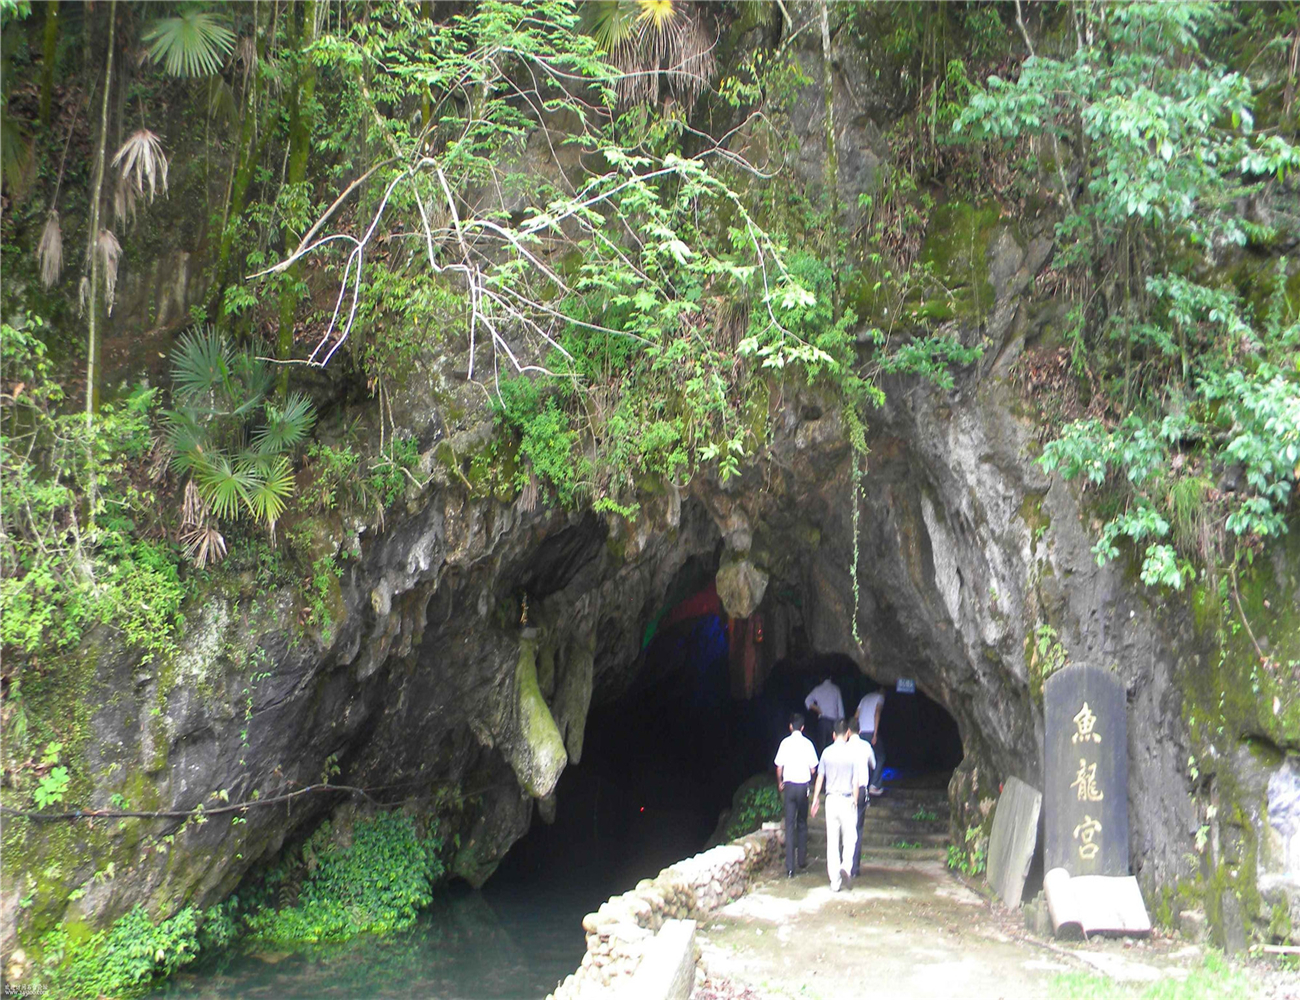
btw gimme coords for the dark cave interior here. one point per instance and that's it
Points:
(662, 760)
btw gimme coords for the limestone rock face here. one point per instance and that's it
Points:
(741, 586)
(965, 550)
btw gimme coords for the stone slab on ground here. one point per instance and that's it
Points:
(1012, 842)
(1095, 904)
(667, 970)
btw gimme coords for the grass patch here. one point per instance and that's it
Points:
(1213, 979)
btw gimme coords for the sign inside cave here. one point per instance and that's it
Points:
(1085, 801)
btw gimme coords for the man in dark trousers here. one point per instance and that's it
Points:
(869, 710)
(827, 704)
(796, 760)
(866, 764)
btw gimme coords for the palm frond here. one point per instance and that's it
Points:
(17, 156)
(254, 376)
(224, 486)
(110, 252)
(270, 486)
(141, 159)
(285, 426)
(190, 44)
(246, 56)
(658, 15)
(610, 22)
(692, 60)
(203, 543)
(221, 101)
(201, 538)
(186, 439)
(201, 364)
(49, 252)
(124, 201)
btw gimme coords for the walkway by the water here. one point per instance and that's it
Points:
(912, 930)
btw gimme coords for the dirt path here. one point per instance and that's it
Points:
(908, 930)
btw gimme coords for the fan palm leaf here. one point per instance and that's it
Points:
(225, 486)
(204, 543)
(49, 252)
(255, 379)
(610, 22)
(186, 439)
(285, 426)
(270, 486)
(190, 44)
(141, 160)
(110, 253)
(201, 364)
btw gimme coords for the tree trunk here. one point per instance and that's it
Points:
(832, 162)
(93, 336)
(49, 53)
(300, 126)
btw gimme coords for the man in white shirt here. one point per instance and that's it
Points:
(825, 702)
(796, 760)
(839, 772)
(869, 709)
(866, 762)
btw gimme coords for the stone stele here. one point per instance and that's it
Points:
(1014, 837)
(1085, 799)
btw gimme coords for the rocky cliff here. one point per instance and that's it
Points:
(424, 686)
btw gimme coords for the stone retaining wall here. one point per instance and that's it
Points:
(620, 931)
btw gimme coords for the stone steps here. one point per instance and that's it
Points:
(892, 821)
(872, 839)
(871, 854)
(883, 820)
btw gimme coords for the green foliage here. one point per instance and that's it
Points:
(1198, 381)
(1049, 655)
(228, 437)
(125, 961)
(390, 472)
(193, 43)
(971, 856)
(325, 575)
(332, 471)
(376, 883)
(756, 807)
(75, 509)
(1212, 979)
(52, 787)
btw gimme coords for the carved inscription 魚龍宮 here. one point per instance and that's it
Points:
(1085, 801)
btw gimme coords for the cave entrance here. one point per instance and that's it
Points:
(660, 760)
(921, 739)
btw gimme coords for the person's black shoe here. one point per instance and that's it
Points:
(789, 874)
(803, 865)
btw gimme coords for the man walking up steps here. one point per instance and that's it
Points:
(827, 704)
(839, 772)
(796, 760)
(869, 711)
(866, 764)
